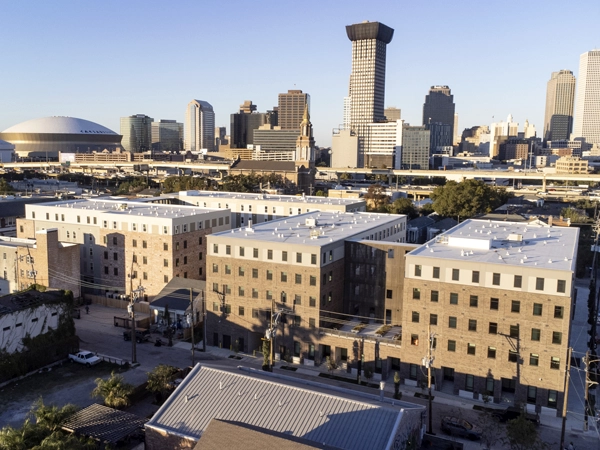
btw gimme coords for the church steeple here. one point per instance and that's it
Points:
(306, 126)
(305, 143)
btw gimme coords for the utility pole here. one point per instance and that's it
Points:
(204, 324)
(191, 317)
(565, 400)
(131, 309)
(586, 363)
(428, 362)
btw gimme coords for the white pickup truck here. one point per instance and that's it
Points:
(84, 357)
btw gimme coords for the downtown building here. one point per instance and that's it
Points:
(137, 133)
(123, 244)
(587, 114)
(439, 116)
(560, 100)
(291, 107)
(497, 298)
(199, 126)
(167, 136)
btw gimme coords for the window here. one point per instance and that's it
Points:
(537, 309)
(313, 259)
(105, 255)
(330, 276)
(435, 295)
(116, 271)
(313, 280)
(105, 270)
(284, 256)
(518, 281)
(415, 317)
(145, 275)
(227, 249)
(269, 295)
(539, 284)
(493, 328)
(240, 310)
(241, 271)
(494, 303)
(298, 257)
(556, 337)
(418, 271)
(283, 297)
(513, 356)
(116, 256)
(452, 322)
(453, 298)
(558, 312)
(255, 253)
(254, 293)
(298, 278)
(414, 339)
(436, 273)
(312, 302)
(215, 268)
(534, 359)
(561, 286)
(416, 294)
(388, 293)
(554, 363)
(134, 243)
(297, 299)
(535, 334)
(433, 319)
(531, 394)
(330, 255)
(514, 331)
(241, 291)
(515, 306)
(451, 346)
(165, 278)
(412, 371)
(284, 277)
(215, 248)
(496, 279)
(552, 399)
(269, 254)
(311, 322)
(472, 325)
(475, 276)
(269, 274)
(254, 313)
(242, 251)
(469, 383)
(492, 352)
(165, 247)
(455, 274)
(227, 267)
(254, 273)
(473, 300)
(134, 258)
(470, 349)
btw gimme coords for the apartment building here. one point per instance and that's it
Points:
(124, 243)
(295, 265)
(43, 260)
(496, 299)
(258, 208)
(572, 165)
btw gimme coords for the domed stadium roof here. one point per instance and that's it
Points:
(59, 125)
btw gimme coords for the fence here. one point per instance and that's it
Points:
(141, 307)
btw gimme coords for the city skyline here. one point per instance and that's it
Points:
(65, 60)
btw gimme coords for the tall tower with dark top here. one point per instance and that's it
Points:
(439, 109)
(367, 79)
(560, 98)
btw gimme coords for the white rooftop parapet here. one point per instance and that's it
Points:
(465, 242)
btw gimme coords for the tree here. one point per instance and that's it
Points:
(167, 315)
(491, 431)
(426, 209)
(376, 198)
(320, 193)
(403, 206)
(159, 380)
(521, 434)
(574, 214)
(466, 199)
(331, 364)
(397, 394)
(51, 417)
(5, 188)
(114, 391)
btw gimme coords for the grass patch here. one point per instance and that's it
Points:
(41, 383)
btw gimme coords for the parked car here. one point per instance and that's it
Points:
(140, 335)
(512, 412)
(83, 357)
(460, 427)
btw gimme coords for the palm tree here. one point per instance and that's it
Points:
(159, 379)
(51, 417)
(113, 390)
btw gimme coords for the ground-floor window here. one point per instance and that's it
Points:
(311, 352)
(469, 383)
(531, 394)
(413, 372)
(296, 348)
(344, 354)
(552, 399)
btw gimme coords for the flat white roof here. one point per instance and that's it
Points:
(304, 199)
(316, 228)
(505, 243)
(123, 207)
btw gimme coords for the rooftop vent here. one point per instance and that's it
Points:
(310, 222)
(515, 237)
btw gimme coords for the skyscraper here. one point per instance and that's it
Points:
(137, 133)
(587, 114)
(291, 109)
(560, 98)
(392, 114)
(439, 106)
(367, 79)
(199, 126)
(246, 121)
(167, 136)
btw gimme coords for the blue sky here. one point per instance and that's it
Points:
(106, 59)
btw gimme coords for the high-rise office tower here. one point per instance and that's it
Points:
(587, 114)
(199, 126)
(392, 114)
(560, 98)
(137, 133)
(415, 147)
(439, 106)
(246, 121)
(167, 136)
(291, 109)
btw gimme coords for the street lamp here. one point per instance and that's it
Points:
(133, 298)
